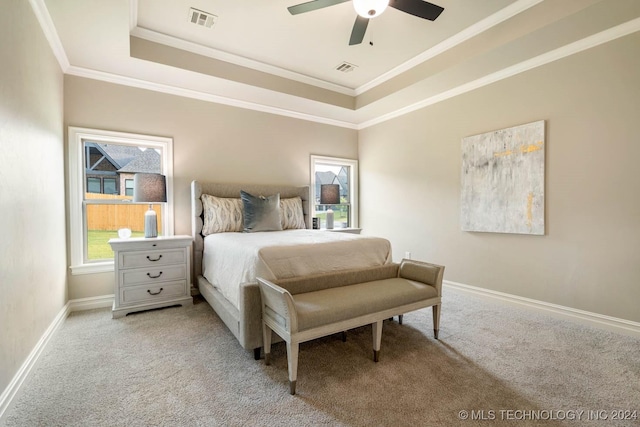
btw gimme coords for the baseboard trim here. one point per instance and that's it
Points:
(601, 321)
(13, 389)
(622, 326)
(81, 304)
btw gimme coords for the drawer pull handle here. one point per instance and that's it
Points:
(154, 293)
(154, 260)
(154, 277)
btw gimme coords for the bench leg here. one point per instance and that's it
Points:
(292, 361)
(266, 341)
(436, 319)
(256, 353)
(377, 339)
(399, 319)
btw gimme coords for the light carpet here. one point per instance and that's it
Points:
(493, 365)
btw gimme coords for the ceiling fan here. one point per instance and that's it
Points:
(368, 9)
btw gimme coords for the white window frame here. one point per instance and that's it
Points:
(353, 184)
(76, 137)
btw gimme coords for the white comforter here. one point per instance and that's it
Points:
(233, 258)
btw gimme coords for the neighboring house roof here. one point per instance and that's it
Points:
(147, 161)
(343, 179)
(130, 159)
(325, 178)
(328, 177)
(120, 155)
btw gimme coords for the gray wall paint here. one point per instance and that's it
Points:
(589, 257)
(210, 142)
(32, 210)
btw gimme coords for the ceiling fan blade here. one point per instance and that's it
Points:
(359, 28)
(419, 8)
(313, 5)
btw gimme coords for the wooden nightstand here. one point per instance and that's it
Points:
(151, 273)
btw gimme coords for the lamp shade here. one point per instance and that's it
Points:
(370, 8)
(329, 194)
(149, 188)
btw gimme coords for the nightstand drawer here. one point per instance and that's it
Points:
(151, 258)
(155, 274)
(152, 293)
(151, 273)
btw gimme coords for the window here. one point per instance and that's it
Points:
(128, 187)
(94, 185)
(110, 186)
(341, 172)
(101, 169)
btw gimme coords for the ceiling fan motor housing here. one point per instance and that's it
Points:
(370, 8)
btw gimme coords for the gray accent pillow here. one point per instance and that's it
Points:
(261, 213)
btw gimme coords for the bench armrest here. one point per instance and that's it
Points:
(277, 306)
(423, 272)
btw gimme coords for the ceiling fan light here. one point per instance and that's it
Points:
(370, 8)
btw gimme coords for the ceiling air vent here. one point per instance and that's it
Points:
(204, 19)
(345, 67)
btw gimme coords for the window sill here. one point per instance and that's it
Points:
(98, 267)
(352, 230)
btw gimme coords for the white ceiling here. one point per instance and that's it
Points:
(259, 56)
(313, 43)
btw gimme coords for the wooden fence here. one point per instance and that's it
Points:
(115, 217)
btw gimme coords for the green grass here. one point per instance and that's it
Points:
(98, 243)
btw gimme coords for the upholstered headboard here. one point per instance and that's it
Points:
(233, 191)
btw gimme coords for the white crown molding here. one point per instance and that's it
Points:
(133, 14)
(472, 31)
(603, 37)
(49, 30)
(199, 49)
(466, 34)
(189, 93)
(601, 321)
(545, 58)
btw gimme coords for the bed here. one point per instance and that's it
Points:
(226, 263)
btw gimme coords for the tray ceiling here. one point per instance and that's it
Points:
(257, 55)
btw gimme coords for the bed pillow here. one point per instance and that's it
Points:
(221, 215)
(291, 215)
(261, 213)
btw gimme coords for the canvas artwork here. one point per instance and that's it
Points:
(503, 180)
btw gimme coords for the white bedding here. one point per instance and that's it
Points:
(230, 259)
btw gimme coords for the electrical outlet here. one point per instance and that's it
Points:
(407, 255)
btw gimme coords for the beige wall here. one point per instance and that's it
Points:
(589, 258)
(210, 142)
(32, 209)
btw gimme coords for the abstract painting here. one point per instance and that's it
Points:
(503, 180)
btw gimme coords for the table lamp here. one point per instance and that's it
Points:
(150, 188)
(330, 195)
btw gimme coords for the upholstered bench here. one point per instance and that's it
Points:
(345, 300)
